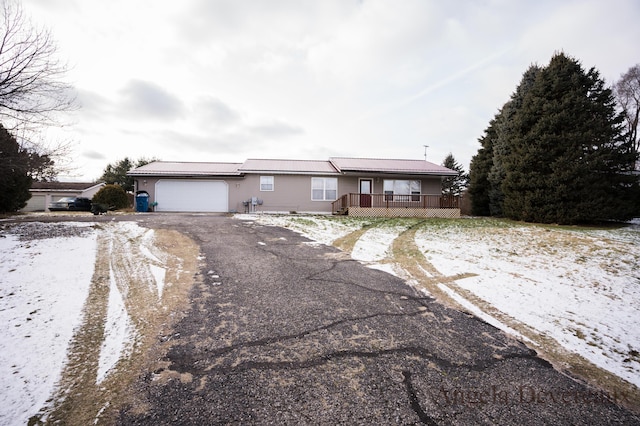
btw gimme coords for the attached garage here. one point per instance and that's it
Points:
(191, 195)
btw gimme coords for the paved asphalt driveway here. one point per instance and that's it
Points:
(282, 331)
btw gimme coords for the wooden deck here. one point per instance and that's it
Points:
(388, 205)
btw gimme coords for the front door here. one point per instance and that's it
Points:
(366, 187)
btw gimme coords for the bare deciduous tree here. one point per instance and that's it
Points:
(627, 91)
(32, 89)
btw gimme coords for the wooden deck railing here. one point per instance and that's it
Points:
(418, 201)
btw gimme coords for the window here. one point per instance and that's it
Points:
(324, 189)
(403, 188)
(266, 183)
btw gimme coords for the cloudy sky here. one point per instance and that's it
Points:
(227, 80)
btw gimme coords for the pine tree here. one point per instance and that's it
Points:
(479, 169)
(569, 161)
(116, 174)
(502, 143)
(14, 173)
(454, 185)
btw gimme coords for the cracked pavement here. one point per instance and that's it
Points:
(283, 331)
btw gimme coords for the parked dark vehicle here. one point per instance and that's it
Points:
(71, 204)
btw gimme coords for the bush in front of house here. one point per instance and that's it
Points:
(112, 196)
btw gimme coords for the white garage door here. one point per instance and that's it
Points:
(175, 195)
(37, 203)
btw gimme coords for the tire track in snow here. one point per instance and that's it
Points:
(84, 349)
(124, 315)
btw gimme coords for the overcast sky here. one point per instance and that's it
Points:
(227, 80)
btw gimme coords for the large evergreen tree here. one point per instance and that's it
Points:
(569, 159)
(502, 145)
(14, 173)
(479, 169)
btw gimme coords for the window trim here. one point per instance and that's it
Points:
(411, 196)
(272, 183)
(324, 188)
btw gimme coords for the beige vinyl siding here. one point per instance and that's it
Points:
(292, 193)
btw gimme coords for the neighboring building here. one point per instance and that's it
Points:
(375, 187)
(43, 193)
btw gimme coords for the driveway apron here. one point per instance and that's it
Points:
(285, 331)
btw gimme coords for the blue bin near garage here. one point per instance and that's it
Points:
(142, 201)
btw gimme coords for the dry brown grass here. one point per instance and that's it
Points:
(79, 399)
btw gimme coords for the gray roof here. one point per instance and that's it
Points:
(288, 166)
(173, 168)
(63, 186)
(385, 165)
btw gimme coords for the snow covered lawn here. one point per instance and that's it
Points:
(43, 286)
(579, 287)
(47, 273)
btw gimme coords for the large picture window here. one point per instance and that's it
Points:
(266, 183)
(324, 189)
(400, 190)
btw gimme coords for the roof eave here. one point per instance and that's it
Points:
(399, 172)
(290, 172)
(186, 175)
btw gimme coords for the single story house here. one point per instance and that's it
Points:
(354, 186)
(44, 193)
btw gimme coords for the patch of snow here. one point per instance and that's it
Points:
(147, 241)
(159, 273)
(479, 313)
(97, 419)
(119, 332)
(322, 229)
(374, 245)
(156, 265)
(43, 285)
(385, 267)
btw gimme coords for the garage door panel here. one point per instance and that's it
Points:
(177, 195)
(37, 203)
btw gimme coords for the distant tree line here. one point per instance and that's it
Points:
(559, 151)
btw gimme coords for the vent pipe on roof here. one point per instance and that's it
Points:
(425, 152)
